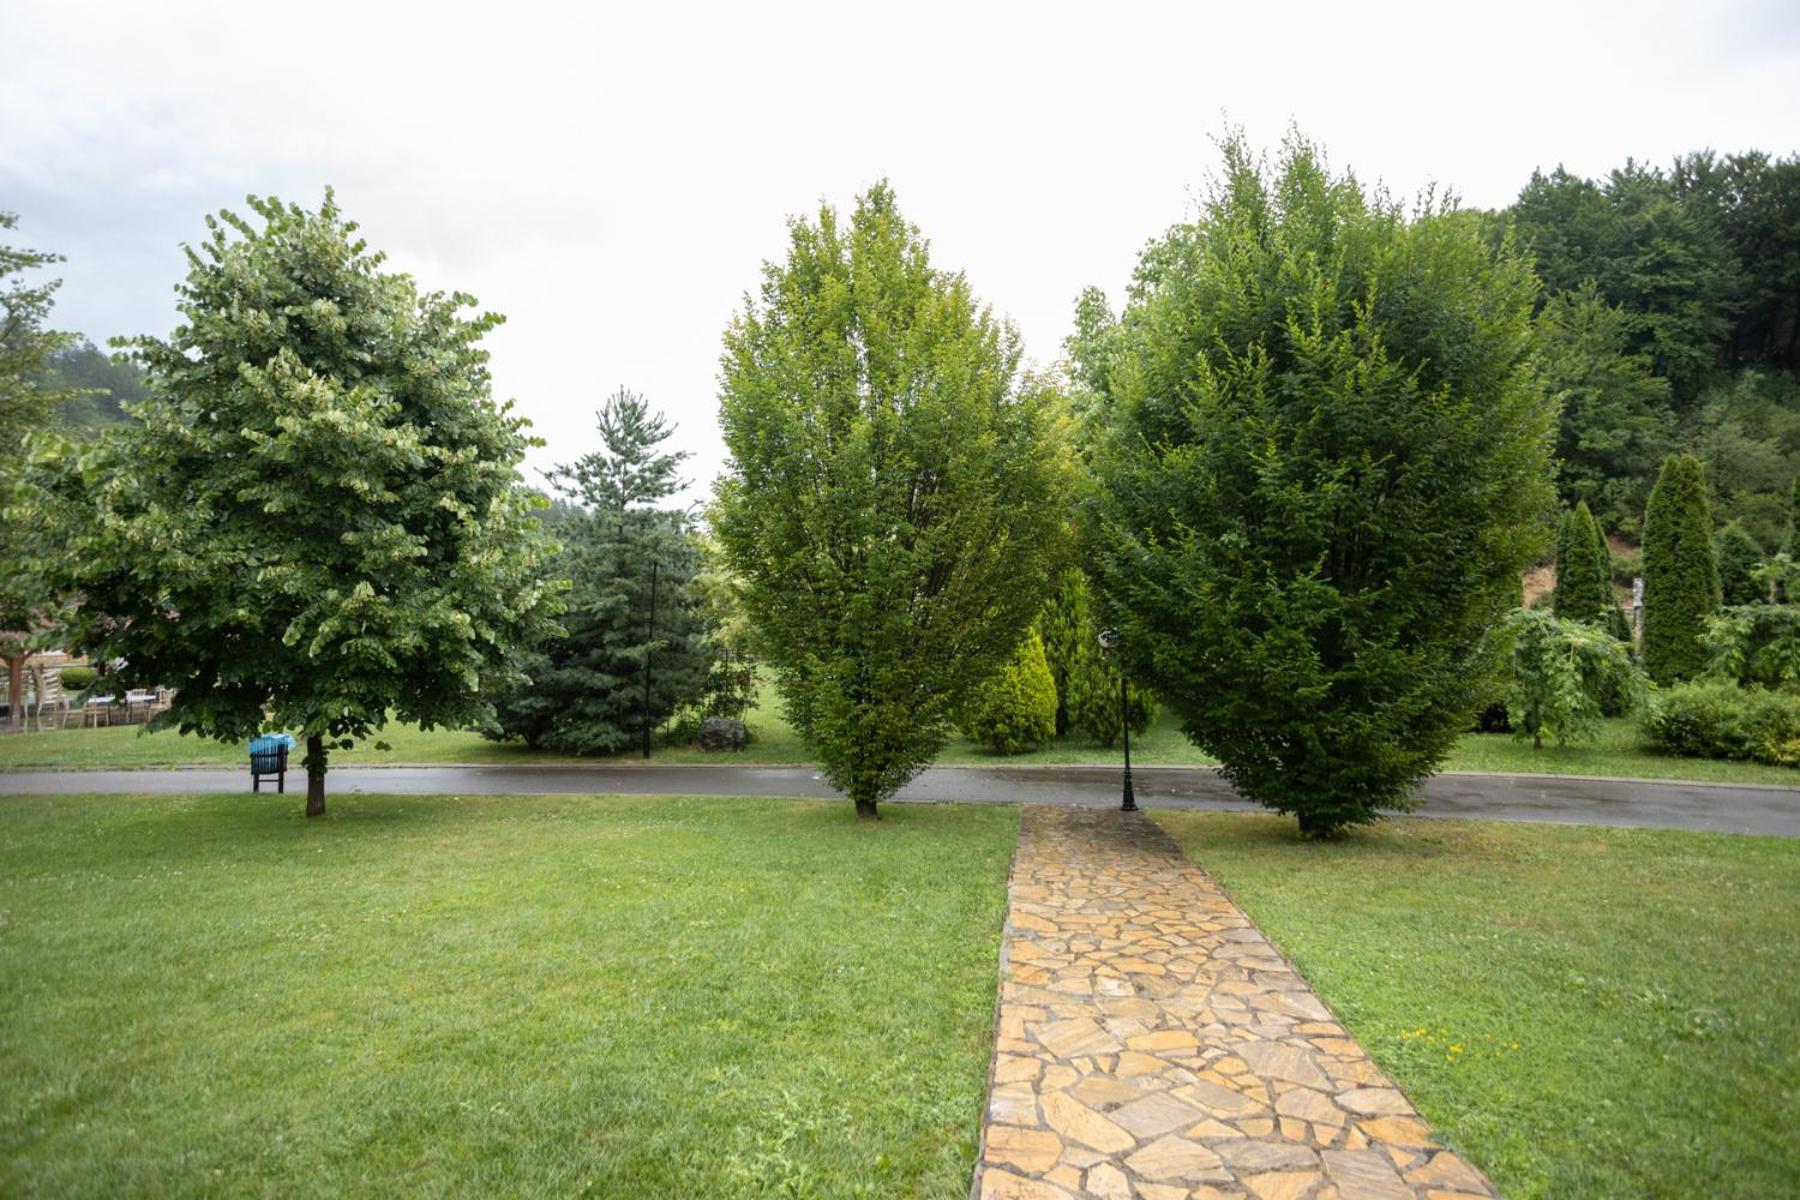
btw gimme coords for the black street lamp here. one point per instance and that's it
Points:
(1109, 640)
(649, 637)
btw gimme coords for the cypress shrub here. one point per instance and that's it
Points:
(1015, 710)
(1681, 573)
(1739, 556)
(1584, 572)
(1617, 623)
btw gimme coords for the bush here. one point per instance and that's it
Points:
(1015, 710)
(1755, 645)
(78, 679)
(1716, 719)
(1563, 672)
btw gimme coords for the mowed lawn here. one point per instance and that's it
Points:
(544, 996)
(1615, 753)
(1586, 1012)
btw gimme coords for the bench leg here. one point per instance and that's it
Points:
(281, 783)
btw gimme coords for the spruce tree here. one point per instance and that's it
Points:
(1617, 622)
(638, 646)
(1739, 558)
(1681, 572)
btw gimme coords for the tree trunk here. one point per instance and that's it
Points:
(315, 776)
(866, 810)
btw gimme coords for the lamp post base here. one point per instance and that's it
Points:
(1130, 803)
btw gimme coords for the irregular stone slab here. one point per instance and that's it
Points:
(1151, 1045)
(1079, 1123)
(1177, 1158)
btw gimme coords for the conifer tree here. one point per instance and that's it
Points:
(1739, 558)
(1681, 572)
(638, 646)
(1015, 709)
(1584, 573)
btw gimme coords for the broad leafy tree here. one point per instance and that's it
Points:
(1562, 676)
(637, 645)
(318, 524)
(1327, 463)
(894, 501)
(27, 405)
(1681, 572)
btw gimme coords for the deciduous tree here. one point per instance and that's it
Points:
(895, 499)
(318, 524)
(1327, 464)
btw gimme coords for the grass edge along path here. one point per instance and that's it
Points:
(495, 995)
(1583, 1011)
(1614, 755)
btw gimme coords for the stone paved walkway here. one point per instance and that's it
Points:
(1153, 1045)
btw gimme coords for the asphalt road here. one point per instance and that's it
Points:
(1727, 808)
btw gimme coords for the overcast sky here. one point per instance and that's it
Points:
(611, 180)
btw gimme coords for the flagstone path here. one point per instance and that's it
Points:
(1154, 1046)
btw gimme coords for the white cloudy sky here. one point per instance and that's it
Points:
(611, 177)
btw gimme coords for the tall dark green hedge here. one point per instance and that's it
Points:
(1325, 464)
(1739, 556)
(1584, 574)
(1681, 572)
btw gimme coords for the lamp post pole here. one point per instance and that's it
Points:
(1109, 640)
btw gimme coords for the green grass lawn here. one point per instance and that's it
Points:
(1614, 753)
(546, 996)
(1586, 1012)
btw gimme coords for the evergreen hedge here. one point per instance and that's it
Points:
(1681, 572)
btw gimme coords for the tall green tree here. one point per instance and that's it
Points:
(1681, 572)
(27, 405)
(98, 389)
(638, 642)
(1584, 574)
(894, 500)
(1324, 472)
(1616, 422)
(1739, 557)
(318, 524)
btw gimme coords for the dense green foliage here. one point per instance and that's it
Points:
(1562, 675)
(1672, 321)
(1554, 998)
(1616, 421)
(1681, 573)
(894, 500)
(1015, 709)
(1718, 719)
(1087, 682)
(26, 406)
(1584, 589)
(78, 679)
(318, 523)
(1755, 645)
(97, 389)
(1739, 557)
(1325, 461)
(620, 668)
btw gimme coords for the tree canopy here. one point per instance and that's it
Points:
(318, 523)
(894, 501)
(1326, 459)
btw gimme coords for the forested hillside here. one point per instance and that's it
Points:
(1671, 321)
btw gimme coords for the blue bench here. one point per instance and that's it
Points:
(268, 759)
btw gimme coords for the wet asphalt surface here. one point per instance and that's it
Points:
(1726, 808)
